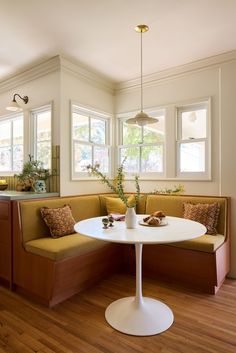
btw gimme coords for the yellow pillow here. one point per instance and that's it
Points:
(116, 205)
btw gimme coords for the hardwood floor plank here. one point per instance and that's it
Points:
(203, 323)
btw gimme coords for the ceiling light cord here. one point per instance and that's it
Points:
(141, 33)
(141, 118)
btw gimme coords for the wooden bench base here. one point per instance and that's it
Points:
(201, 270)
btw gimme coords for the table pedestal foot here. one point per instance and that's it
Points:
(145, 318)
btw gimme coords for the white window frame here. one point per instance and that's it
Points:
(11, 118)
(33, 130)
(90, 113)
(142, 175)
(206, 175)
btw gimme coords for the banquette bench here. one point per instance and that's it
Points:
(52, 270)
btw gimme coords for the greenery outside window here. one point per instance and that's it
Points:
(193, 141)
(143, 147)
(11, 144)
(90, 141)
(42, 135)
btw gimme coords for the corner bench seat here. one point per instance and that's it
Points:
(52, 270)
(63, 247)
(206, 243)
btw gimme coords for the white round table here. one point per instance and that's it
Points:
(138, 315)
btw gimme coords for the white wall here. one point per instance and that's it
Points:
(88, 94)
(41, 91)
(183, 89)
(228, 147)
(61, 85)
(219, 83)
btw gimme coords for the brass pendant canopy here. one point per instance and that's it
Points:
(141, 118)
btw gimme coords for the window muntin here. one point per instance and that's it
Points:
(42, 133)
(193, 140)
(11, 144)
(143, 147)
(90, 141)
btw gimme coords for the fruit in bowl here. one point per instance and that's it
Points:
(3, 184)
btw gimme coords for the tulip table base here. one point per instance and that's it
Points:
(146, 318)
(139, 316)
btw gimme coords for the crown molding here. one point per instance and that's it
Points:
(85, 74)
(176, 72)
(62, 63)
(55, 63)
(30, 74)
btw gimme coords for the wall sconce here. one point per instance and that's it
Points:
(14, 106)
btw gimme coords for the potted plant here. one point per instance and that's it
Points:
(33, 176)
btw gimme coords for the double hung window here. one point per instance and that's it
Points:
(193, 141)
(11, 144)
(90, 141)
(42, 135)
(143, 147)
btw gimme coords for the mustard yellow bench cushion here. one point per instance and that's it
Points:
(172, 205)
(33, 226)
(61, 248)
(206, 243)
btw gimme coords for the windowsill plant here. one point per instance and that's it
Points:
(32, 172)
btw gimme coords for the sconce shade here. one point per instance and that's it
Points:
(14, 106)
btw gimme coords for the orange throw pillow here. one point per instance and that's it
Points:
(206, 214)
(60, 221)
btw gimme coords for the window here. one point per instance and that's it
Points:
(42, 135)
(90, 141)
(193, 141)
(143, 147)
(11, 144)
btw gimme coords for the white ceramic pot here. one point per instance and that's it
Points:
(131, 218)
(39, 186)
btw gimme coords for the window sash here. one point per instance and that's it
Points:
(90, 114)
(35, 116)
(10, 147)
(191, 175)
(146, 174)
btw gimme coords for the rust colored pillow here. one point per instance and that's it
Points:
(59, 220)
(204, 213)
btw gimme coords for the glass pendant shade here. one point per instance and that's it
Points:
(141, 119)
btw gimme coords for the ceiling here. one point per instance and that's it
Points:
(99, 34)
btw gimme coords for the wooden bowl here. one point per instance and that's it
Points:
(3, 187)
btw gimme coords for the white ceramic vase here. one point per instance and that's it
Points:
(39, 186)
(130, 218)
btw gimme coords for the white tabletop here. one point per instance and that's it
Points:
(177, 229)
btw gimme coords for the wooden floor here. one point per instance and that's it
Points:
(203, 323)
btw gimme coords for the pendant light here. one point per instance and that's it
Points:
(14, 106)
(141, 118)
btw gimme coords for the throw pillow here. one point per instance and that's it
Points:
(206, 214)
(116, 205)
(60, 221)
